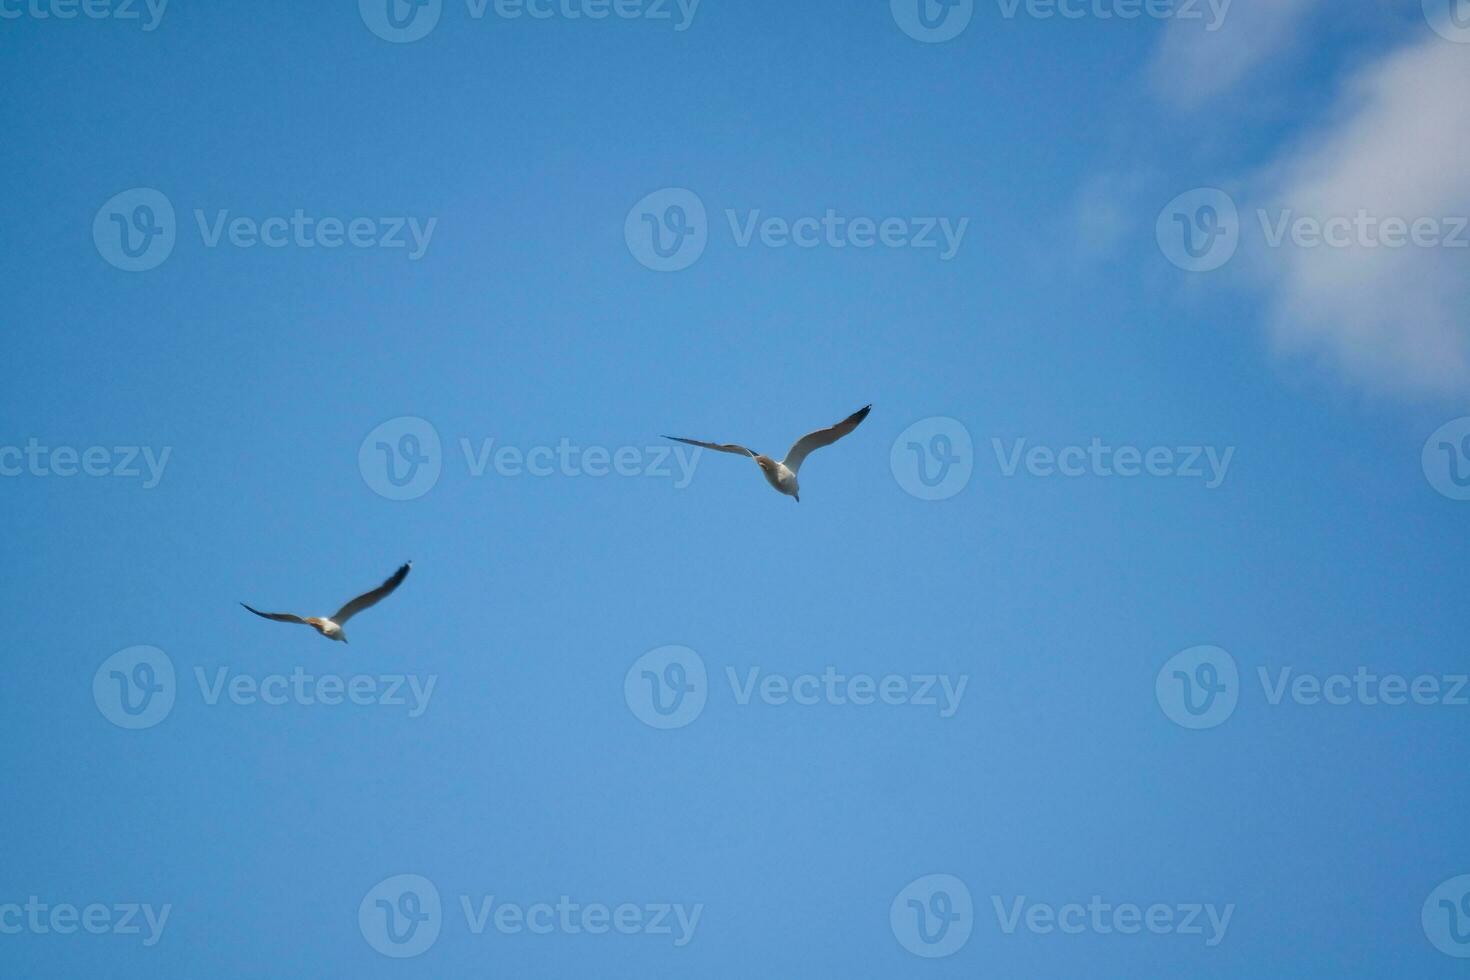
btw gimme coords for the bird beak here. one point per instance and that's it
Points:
(797, 496)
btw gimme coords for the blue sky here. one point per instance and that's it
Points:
(1102, 690)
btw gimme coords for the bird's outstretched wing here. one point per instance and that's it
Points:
(278, 617)
(823, 437)
(717, 447)
(372, 598)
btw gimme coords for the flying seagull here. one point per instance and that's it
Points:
(331, 626)
(782, 475)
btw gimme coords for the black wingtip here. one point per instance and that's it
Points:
(861, 413)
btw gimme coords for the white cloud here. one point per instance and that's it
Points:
(1194, 65)
(1398, 147)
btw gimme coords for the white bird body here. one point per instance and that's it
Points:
(782, 478)
(781, 474)
(327, 628)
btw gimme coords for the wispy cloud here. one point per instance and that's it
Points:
(1394, 318)
(1194, 65)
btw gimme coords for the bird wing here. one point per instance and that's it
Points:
(372, 598)
(717, 447)
(822, 437)
(278, 617)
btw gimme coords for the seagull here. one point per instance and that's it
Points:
(782, 475)
(331, 626)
